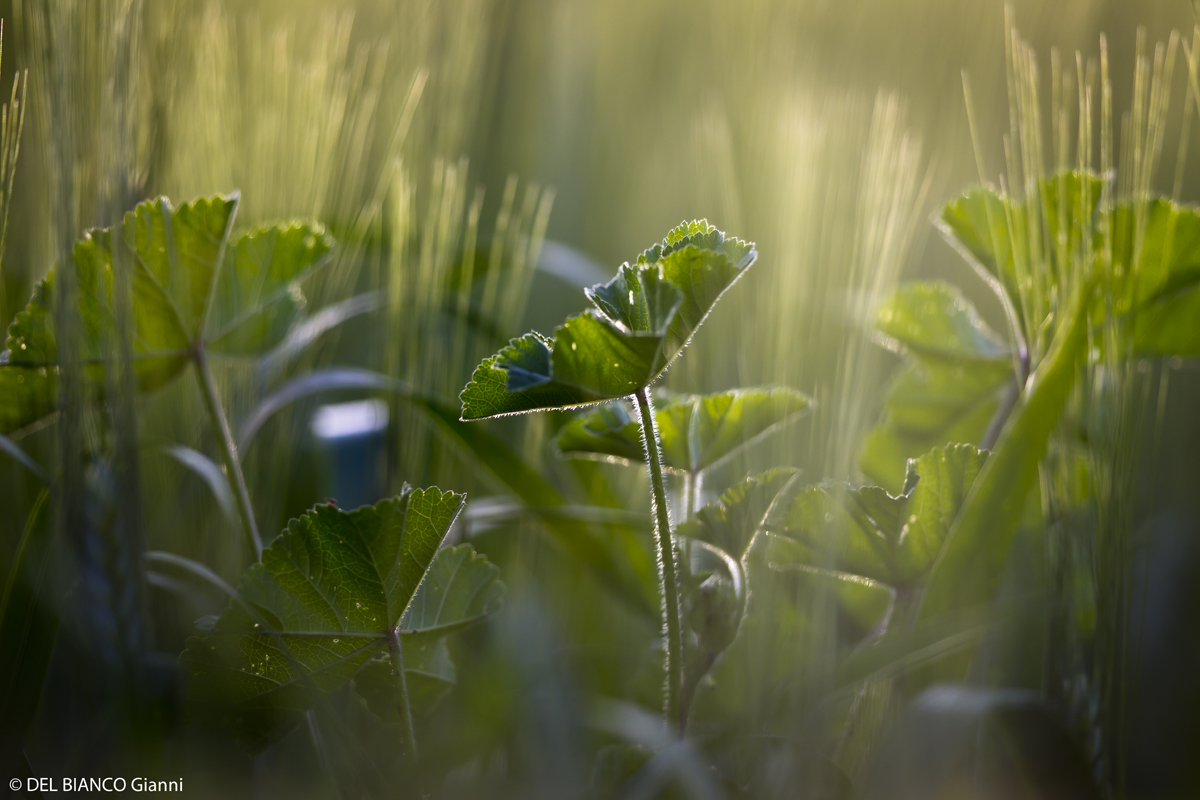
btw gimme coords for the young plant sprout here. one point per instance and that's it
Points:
(642, 320)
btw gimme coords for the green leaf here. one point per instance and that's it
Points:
(618, 561)
(932, 320)
(1002, 238)
(866, 601)
(712, 604)
(606, 433)
(27, 394)
(956, 373)
(258, 297)
(322, 603)
(458, 589)
(174, 255)
(730, 523)
(1157, 286)
(428, 672)
(695, 431)
(621, 564)
(1154, 274)
(866, 531)
(190, 286)
(643, 318)
(968, 570)
(461, 588)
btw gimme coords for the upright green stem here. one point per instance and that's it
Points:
(403, 706)
(689, 487)
(233, 469)
(666, 561)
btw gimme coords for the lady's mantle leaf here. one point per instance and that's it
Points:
(696, 431)
(428, 672)
(731, 522)
(1152, 280)
(955, 377)
(868, 532)
(1001, 237)
(190, 284)
(322, 603)
(968, 570)
(606, 433)
(174, 255)
(643, 318)
(258, 298)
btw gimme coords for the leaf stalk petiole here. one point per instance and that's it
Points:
(233, 468)
(666, 562)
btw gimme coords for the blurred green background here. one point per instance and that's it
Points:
(825, 131)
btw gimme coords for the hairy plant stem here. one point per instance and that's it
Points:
(403, 706)
(689, 483)
(233, 469)
(666, 562)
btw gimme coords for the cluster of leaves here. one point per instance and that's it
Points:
(960, 379)
(642, 320)
(366, 598)
(1073, 270)
(332, 593)
(367, 595)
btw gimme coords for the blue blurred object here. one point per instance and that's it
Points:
(354, 434)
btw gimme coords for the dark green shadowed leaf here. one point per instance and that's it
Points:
(868, 532)
(957, 373)
(516, 380)
(460, 588)
(606, 433)
(639, 300)
(27, 394)
(713, 604)
(866, 601)
(695, 431)
(322, 602)
(643, 318)
(428, 671)
(595, 356)
(731, 522)
(257, 297)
